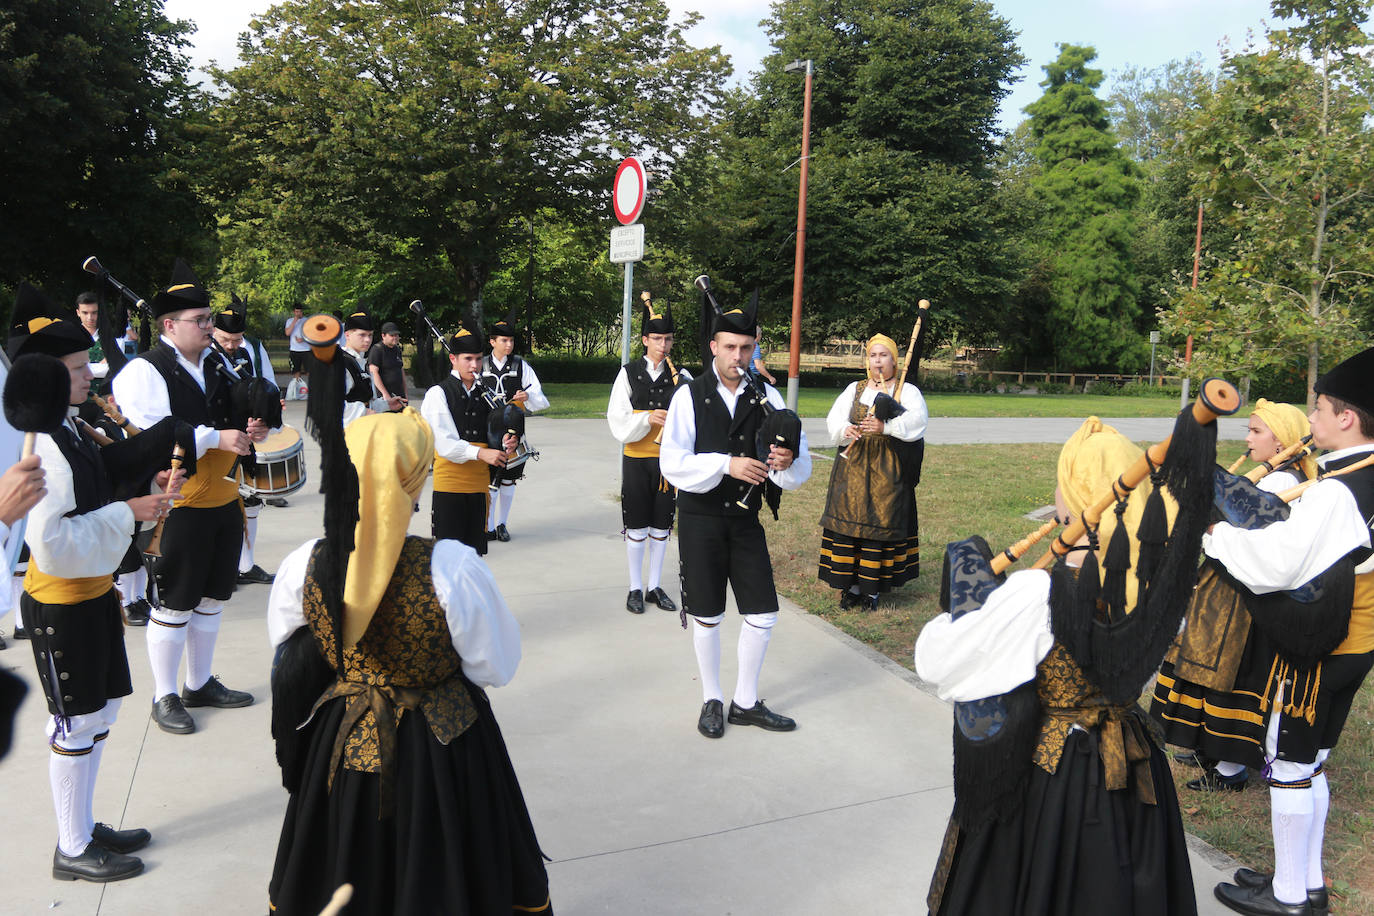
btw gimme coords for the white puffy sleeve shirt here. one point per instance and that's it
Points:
(908, 427)
(141, 393)
(80, 546)
(447, 442)
(485, 633)
(1324, 524)
(686, 470)
(993, 650)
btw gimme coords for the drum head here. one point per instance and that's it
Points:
(283, 441)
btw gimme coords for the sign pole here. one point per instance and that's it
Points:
(625, 318)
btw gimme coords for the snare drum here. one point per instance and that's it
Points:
(281, 464)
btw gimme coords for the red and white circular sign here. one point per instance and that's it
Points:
(627, 194)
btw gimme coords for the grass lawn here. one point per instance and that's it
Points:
(955, 501)
(569, 400)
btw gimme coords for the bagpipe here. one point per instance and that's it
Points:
(781, 427)
(1116, 647)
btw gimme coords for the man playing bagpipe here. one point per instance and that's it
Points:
(458, 410)
(77, 536)
(1063, 804)
(511, 380)
(1308, 583)
(185, 377)
(711, 453)
(636, 412)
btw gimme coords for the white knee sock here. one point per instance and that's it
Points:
(246, 561)
(706, 642)
(1321, 804)
(507, 494)
(124, 583)
(1291, 811)
(166, 640)
(753, 644)
(658, 546)
(69, 773)
(493, 503)
(200, 643)
(88, 806)
(634, 551)
(16, 589)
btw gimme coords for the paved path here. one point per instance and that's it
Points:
(638, 812)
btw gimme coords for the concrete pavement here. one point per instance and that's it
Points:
(638, 812)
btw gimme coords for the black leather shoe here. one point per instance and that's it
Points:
(848, 599)
(660, 597)
(213, 693)
(278, 501)
(255, 576)
(21, 633)
(502, 534)
(121, 841)
(634, 602)
(1192, 759)
(868, 603)
(760, 715)
(711, 723)
(96, 863)
(491, 537)
(136, 615)
(1317, 897)
(171, 716)
(1259, 901)
(1213, 781)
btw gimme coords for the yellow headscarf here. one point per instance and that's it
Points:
(890, 345)
(1091, 460)
(1289, 425)
(392, 453)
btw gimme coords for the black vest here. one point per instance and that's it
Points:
(209, 407)
(469, 413)
(1361, 486)
(505, 382)
(717, 431)
(645, 392)
(90, 482)
(240, 361)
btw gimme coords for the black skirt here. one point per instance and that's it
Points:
(460, 840)
(1077, 849)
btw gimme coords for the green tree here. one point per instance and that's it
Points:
(1283, 148)
(100, 132)
(901, 200)
(411, 135)
(1088, 189)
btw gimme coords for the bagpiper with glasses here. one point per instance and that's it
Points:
(183, 376)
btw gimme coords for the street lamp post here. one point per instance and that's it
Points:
(794, 352)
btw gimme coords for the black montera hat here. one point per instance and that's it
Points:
(184, 292)
(739, 320)
(1352, 381)
(505, 327)
(467, 339)
(358, 321)
(654, 321)
(234, 319)
(39, 326)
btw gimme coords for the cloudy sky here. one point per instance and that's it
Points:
(1144, 33)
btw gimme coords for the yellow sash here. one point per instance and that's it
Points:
(1360, 637)
(467, 477)
(646, 447)
(46, 589)
(207, 488)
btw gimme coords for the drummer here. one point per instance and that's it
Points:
(513, 381)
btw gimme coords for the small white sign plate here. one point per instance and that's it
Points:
(627, 243)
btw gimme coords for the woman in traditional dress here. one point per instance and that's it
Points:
(399, 778)
(1225, 729)
(1063, 805)
(869, 542)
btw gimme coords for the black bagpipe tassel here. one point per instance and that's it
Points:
(1153, 533)
(1116, 566)
(1070, 626)
(1088, 591)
